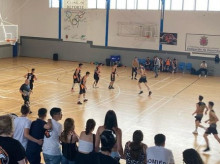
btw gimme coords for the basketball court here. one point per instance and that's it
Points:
(168, 111)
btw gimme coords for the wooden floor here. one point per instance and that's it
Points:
(168, 110)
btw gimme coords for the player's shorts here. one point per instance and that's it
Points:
(143, 79)
(212, 129)
(82, 89)
(199, 117)
(112, 77)
(96, 78)
(76, 80)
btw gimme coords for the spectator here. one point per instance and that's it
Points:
(203, 68)
(135, 151)
(159, 154)
(86, 143)
(22, 128)
(191, 156)
(108, 140)
(111, 124)
(156, 66)
(147, 64)
(51, 146)
(174, 66)
(68, 140)
(12, 152)
(161, 65)
(167, 64)
(37, 130)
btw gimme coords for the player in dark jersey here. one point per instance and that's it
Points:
(200, 107)
(112, 77)
(83, 88)
(76, 76)
(212, 129)
(97, 75)
(143, 79)
(31, 77)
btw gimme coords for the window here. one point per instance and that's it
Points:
(100, 4)
(201, 5)
(142, 4)
(177, 5)
(153, 4)
(92, 4)
(121, 4)
(167, 4)
(54, 3)
(214, 5)
(113, 4)
(131, 4)
(189, 5)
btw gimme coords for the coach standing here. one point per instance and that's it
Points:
(156, 66)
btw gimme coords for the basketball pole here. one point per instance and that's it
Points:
(60, 21)
(161, 21)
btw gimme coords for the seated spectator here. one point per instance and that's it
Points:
(203, 68)
(147, 64)
(167, 65)
(111, 124)
(108, 140)
(86, 143)
(191, 156)
(37, 130)
(159, 154)
(161, 65)
(174, 66)
(68, 140)
(135, 151)
(22, 127)
(12, 152)
(51, 146)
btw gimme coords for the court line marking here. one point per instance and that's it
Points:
(168, 83)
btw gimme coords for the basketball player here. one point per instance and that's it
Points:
(200, 107)
(76, 76)
(135, 66)
(114, 71)
(25, 92)
(31, 77)
(97, 75)
(143, 79)
(83, 88)
(156, 66)
(213, 119)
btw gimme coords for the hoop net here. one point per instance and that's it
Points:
(11, 41)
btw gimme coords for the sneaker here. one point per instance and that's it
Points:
(109, 87)
(195, 132)
(132, 78)
(85, 100)
(199, 76)
(135, 78)
(207, 149)
(205, 76)
(150, 93)
(141, 92)
(30, 112)
(112, 87)
(79, 103)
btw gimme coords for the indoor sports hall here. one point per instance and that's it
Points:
(55, 36)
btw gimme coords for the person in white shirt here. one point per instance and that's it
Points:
(203, 68)
(22, 127)
(51, 145)
(159, 154)
(156, 66)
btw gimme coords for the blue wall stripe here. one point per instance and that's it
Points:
(162, 21)
(107, 21)
(60, 15)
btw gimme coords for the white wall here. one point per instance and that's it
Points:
(190, 22)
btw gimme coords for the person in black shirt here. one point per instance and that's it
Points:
(113, 73)
(25, 92)
(11, 150)
(37, 130)
(31, 77)
(96, 75)
(108, 140)
(77, 76)
(83, 88)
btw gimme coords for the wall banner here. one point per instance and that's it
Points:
(168, 38)
(203, 43)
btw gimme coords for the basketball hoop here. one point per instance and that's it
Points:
(11, 41)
